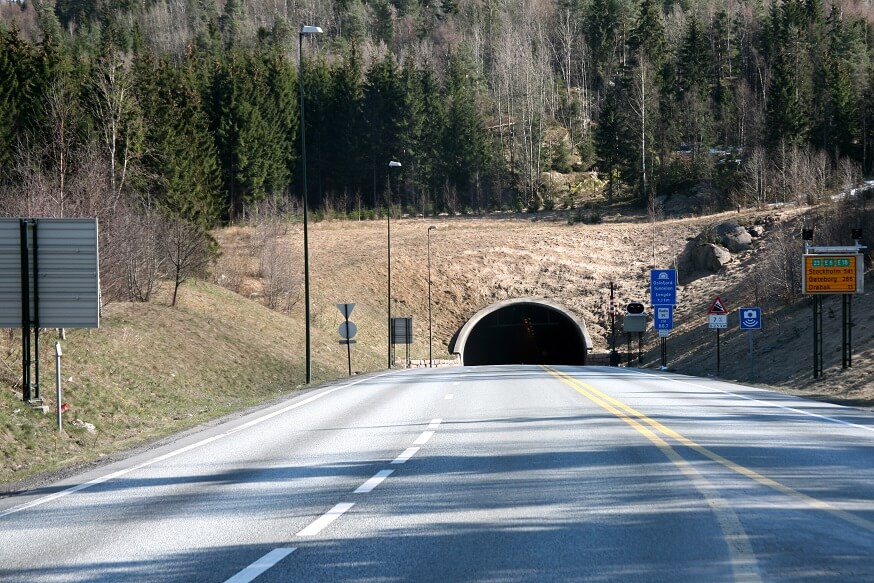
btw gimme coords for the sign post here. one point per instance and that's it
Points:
(833, 270)
(49, 278)
(347, 332)
(663, 297)
(751, 319)
(718, 317)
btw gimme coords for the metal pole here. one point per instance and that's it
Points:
(717, 351)
(612, 320)
(306, 247)
(846, 327)
(849, 330)
(388, 245)
(752, 357)
(25, 313)
(430, 323)
(35, 324)
(391, 164)
(348, 344)
(304, 30)
(817, 336)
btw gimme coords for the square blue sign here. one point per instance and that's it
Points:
(750, 318)
(663, 317)
(663, 287)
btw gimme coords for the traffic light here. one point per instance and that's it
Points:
(634, 308)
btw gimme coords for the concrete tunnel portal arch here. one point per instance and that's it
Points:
(522, 331)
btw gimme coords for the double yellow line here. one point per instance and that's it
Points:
(650, 428)
(743, 559)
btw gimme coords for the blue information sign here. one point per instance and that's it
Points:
(663, 317)
(663, 287)
(750, 318)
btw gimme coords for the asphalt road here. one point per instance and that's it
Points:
(476, 474)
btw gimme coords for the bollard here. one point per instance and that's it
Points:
(58, 381)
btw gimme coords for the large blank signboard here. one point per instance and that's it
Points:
(64, 291)
(832, 274)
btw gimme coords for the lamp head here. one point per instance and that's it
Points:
(311, 30)
(394, 164)
(432, 228)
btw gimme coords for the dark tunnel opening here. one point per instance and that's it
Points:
(525, 334)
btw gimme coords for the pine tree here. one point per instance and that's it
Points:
(608, 142)
(465, 148)
(383, 100)
(786, 120)
(694, 61)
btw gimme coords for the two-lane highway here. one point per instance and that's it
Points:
(518, 473)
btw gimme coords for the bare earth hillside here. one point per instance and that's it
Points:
(478, 261)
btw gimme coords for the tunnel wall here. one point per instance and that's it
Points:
(570, 347)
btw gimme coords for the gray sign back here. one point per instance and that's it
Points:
(68, 278)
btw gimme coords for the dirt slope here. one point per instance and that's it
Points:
(478, 261)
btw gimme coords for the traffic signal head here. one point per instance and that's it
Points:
(634, 308)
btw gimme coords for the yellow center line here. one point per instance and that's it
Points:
(615, 404)
(743, 559)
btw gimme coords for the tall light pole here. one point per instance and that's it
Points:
(305, 30)
(430, 336)
(392, 164)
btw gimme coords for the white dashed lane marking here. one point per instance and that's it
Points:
(408, 453)
(373, 482)
(326, 519)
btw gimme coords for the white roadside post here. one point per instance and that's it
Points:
(58, 381)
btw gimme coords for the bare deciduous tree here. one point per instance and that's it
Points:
(187, 250)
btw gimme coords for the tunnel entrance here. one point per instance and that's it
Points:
(524, 331)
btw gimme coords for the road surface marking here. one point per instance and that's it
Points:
(373, 482)
(408, 453)
(733, 466)
(187, 448)
(769, 403)
(423, 439)
(743, 559)
(449, 397)
(325, 519)
(435, 423)
(261, 565)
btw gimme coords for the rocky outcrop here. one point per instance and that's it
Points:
(733, 236)
(701, 258)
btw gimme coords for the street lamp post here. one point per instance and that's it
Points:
(430, 336)
(305, 30)
(392, 164)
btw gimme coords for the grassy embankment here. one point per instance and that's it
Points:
(149, 371)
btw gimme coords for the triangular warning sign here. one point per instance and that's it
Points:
(717, 307)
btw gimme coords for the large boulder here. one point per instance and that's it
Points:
(734, 237)
(701, 258)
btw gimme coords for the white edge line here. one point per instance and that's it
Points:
(325, 519)
(264, 563)
(187, 448)
(759, 401)
(435, 423)
(373, 482)
(408, 453)
(423, 439)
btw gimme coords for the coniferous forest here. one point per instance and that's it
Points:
(165, 118)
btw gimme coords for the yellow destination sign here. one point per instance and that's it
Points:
(830, 274)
